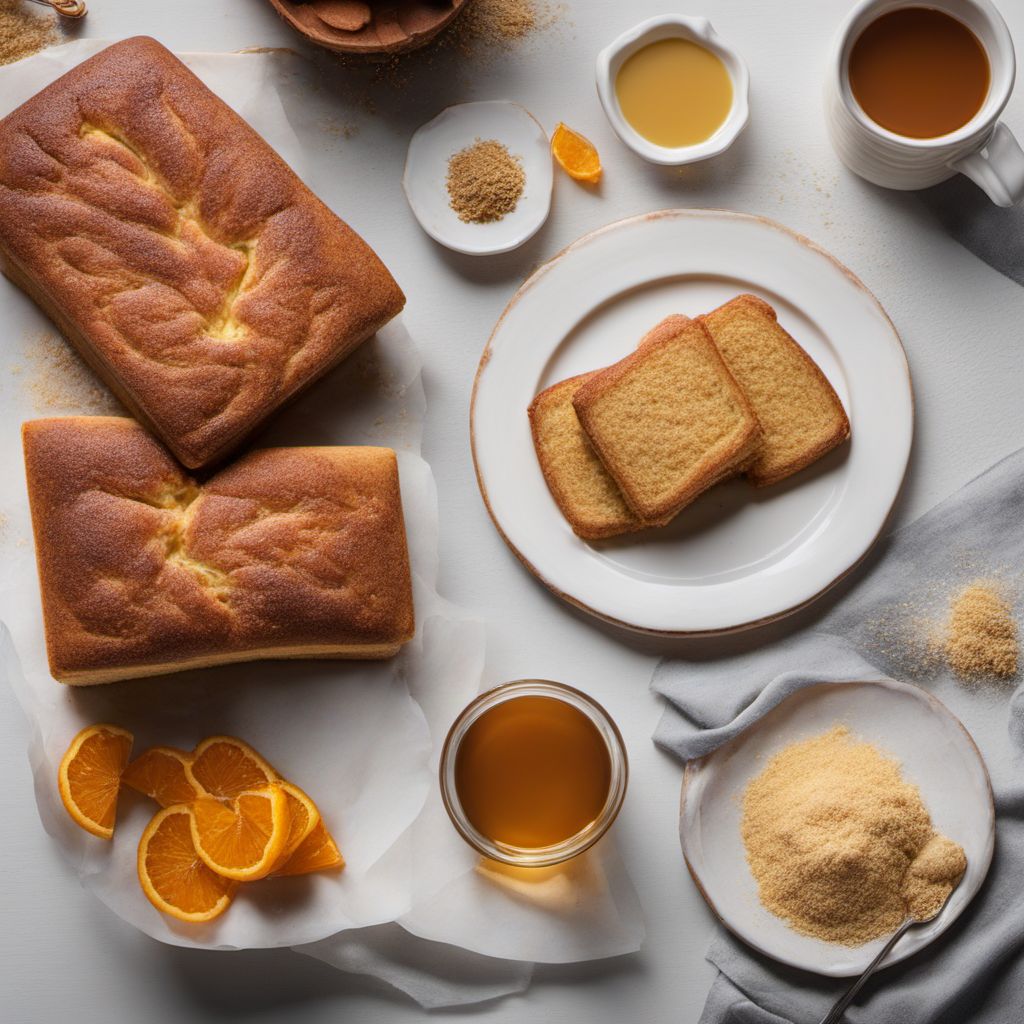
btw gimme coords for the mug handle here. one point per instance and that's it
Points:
(997, 168)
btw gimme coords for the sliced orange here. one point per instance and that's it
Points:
(576, 154)
(317, 852)
(172, 876)
(303, 817)
(90, 776)
(242, 838)
(225, 767)
(159, 773)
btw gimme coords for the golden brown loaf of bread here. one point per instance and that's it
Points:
(800, 413)
(588, 497)
(288, 553)
(184, 259)
(668, 421)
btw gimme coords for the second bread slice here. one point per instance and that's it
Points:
(668, 421)
(798, 409)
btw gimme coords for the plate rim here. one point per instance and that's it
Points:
(683, 213)
(938, 706)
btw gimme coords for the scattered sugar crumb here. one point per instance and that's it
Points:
(338, 129)
(965, 623)
(981, 634)
(58, 380)
(25, 31)
(485, 31)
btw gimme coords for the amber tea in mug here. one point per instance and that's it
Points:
(919, 72)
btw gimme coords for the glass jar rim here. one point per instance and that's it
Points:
(541, 856)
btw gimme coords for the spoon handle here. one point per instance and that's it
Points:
(836, 1013)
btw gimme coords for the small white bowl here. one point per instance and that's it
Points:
(673, 26)
(426, 175)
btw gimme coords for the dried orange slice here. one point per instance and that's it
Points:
(576, 154)
(225, 767)
(159, 773)
(317, 852)
(172, 876)
(89, 777)
(303, 817)
(241, 838)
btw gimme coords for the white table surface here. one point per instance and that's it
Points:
(64, 957)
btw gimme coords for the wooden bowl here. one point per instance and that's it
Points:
(393, 26)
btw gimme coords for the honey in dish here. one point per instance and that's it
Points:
(532, 771)
(674, 92)
(919, 72)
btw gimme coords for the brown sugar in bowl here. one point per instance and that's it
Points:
(388, 26)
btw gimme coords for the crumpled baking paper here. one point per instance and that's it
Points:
(362, 738)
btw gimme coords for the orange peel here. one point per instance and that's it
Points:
(317, 852)
(576, 154)
(160, 773)
(171, 873)
(89, 777)
(224, 766)
(243, 838)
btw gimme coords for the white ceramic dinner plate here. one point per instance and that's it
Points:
(738, 556)
(938, 756)
(426, 175)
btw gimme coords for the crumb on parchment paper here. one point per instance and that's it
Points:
(25, 29)
(56, 380)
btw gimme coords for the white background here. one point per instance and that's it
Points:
(63, 957)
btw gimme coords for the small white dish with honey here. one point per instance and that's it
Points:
(674, 91)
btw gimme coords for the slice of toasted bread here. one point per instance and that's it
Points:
(668, 421)
(588, 497)
(800, 414)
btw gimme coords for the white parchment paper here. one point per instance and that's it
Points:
(362, 739)
(348, 732)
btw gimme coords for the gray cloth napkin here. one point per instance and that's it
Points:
(975, 970)
(994, 234)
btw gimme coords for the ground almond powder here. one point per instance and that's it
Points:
(840, 845)
(969, 628)
(485, 181)
(981, 635)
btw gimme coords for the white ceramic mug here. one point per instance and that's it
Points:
(984, 149)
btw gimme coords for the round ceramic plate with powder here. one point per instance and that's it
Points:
(457, 129)
(739, 555)
(904, 722)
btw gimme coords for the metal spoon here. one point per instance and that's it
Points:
(67, 8)
(836, 1013)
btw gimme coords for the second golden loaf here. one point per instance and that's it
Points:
(287, 553)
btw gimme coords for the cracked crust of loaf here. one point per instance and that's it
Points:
(800, 413)
(175, 249)
(289, 552)
(668, 421)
